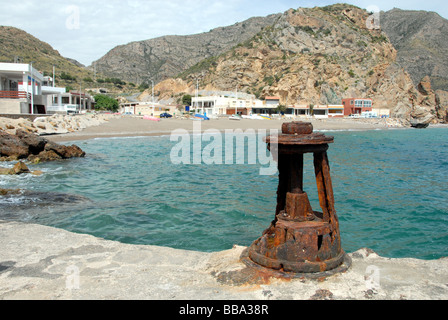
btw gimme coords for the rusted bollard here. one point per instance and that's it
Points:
(299, 239)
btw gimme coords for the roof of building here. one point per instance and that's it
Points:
(357, 99)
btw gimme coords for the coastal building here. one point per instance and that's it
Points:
(147, 108)
(302, 110)
(24, 90)
(20, 89)
(268, 106)
(74, 101)
(320, 111)
(128, 107)
(211, 105)
(356, 106)
(224, 105)
(335, 111)
(272, 101)
(381, 112)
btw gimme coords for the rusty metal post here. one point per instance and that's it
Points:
(299, 239)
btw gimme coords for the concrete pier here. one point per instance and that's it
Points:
(39, 262)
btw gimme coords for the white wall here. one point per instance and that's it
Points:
(10, 106)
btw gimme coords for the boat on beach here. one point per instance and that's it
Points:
(235, 117)
(255, 117)
(198, 116)
(151, 118)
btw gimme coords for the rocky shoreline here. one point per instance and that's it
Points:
(55, 124)
(25, 145)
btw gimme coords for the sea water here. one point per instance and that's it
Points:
(390, 189)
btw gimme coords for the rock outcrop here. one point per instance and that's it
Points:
(421, 40)
(25, 145)
(442, 105)
(315, 56)
(319, 56)
(56, 124)
(19, 168)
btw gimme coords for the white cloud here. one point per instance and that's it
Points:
(104, 24)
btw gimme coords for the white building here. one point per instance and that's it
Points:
(147, 109)
(318, 111)
(69, 102)
(267, 106)
(20, 88)
(221, 105)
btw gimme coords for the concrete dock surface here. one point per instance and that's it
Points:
(40, 262)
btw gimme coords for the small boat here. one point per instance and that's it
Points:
(253, 116)
(235, 117)
(201, 117)
(151, 118)
(265, 118)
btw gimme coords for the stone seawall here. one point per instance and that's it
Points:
(39, 262)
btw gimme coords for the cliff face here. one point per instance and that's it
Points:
(167, 56)
(312, 56)
(318, 56)
(421, 39)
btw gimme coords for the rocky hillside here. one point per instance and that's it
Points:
(18, 43)
(318, 56)
(421, 39)
(167, 56)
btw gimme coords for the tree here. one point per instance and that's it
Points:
(143, 86)
(312, 109)
(67, 76)
(103, 102)
(281, 109)
(186, 100)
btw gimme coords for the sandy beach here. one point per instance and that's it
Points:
(126, 126)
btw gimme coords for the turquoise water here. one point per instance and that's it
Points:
(390, 190)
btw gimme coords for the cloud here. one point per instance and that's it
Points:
(86, 30)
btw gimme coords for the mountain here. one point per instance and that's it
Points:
(167, 56)
(421, 40)
(18, 43)
(318, 56)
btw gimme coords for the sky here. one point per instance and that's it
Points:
(85, 30)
